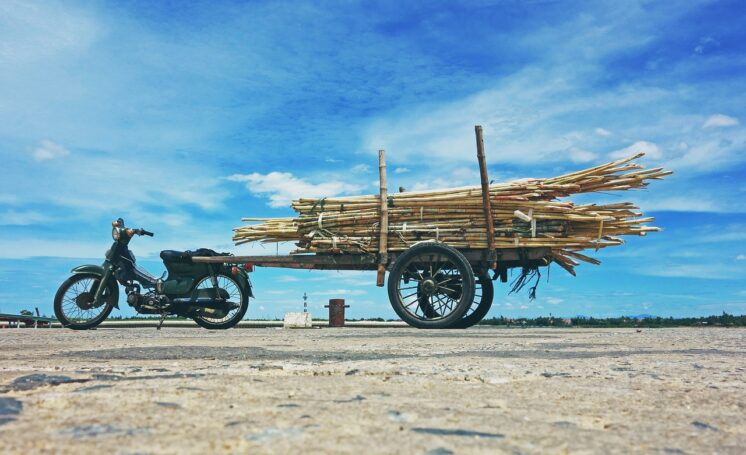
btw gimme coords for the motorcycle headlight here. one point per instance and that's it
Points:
(115, 233)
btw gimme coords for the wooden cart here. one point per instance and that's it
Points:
(430, 284)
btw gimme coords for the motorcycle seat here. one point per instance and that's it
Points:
(175, 256)
(186, 256)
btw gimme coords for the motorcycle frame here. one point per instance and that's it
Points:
(120, 264)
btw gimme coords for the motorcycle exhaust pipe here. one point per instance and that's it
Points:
(194, 311)
(205, 306)
(203, 302)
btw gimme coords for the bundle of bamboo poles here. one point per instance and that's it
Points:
(525, 213)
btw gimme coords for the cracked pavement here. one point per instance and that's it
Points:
(481, 390)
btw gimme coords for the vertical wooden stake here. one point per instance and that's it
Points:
(383, 240)
(486, 197)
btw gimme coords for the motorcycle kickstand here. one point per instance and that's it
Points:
(160, 322)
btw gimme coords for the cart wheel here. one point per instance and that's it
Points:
(483, 295)
(431, 286)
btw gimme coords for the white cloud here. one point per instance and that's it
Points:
(711, 153)
(705, 43)
(48, 150)
(26, 247)
(720, 121)
(553, 300)
(524, 118)
(713, 271)
(283, 187)
(8, 199)
(401, 170)
(361, 168)
(650, 149)
(87, 186)
(286, 279)
(741, 257)
(581, 156)
(432, 184)
(681, 204)
(34, 32)
(603, 132)
(21, 218)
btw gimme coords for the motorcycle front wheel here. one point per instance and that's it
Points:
(235, 295)
(74, 306)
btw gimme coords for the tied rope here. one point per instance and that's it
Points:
(527, 275)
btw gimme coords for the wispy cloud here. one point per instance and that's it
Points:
(13, 217)
(282, 187)
(48, 150)
(173, 100)
(648, 148)
(653, 203)
(711, 271)
(603, 132)
(705, 44)
(361, 168)
(719, 121)
(578, 155)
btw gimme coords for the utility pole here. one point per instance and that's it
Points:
(305, 303)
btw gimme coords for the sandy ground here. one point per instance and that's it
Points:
(482, 390)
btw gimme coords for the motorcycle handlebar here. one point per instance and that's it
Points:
(144, 232)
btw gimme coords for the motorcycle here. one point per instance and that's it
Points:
(216, 296)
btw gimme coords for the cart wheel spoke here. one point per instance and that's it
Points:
(444, 290)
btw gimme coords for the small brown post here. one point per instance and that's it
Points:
(383, 239)
(336, 312)
(486, 197)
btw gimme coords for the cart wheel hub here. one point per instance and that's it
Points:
(429, 286)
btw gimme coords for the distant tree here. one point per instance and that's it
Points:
(26, 313)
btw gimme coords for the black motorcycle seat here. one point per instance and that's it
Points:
(186, 256)
(175, 256)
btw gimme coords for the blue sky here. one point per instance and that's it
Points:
(182, 118)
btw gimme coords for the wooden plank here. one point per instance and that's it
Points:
(358, 261)
(383, 239)
(330, 259)
(486, 195)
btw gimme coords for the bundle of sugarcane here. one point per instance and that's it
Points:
(526, 214)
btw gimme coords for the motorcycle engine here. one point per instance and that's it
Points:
(150, 303)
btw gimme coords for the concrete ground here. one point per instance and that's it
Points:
(482, 390)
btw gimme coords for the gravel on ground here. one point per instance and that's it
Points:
(345, 390)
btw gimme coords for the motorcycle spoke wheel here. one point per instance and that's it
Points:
(79, 312)
(73, 303)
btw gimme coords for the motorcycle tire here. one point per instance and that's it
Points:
(111, 294)
(220, 324)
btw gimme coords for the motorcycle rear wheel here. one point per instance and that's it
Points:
(230, 285)
(75, 293)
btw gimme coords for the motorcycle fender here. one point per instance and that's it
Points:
(94, 269)
(243, 280)
(90, 268)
